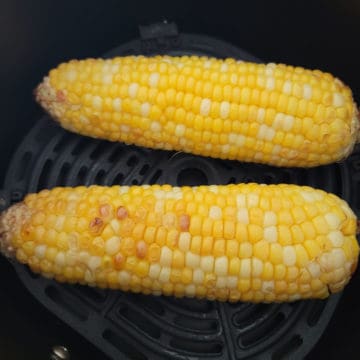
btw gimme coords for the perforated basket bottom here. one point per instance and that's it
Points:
(134, 326)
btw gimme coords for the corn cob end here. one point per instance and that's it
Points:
(9, 224)
(50, 99)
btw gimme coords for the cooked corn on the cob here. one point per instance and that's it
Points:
(274, 114)
(248, 242)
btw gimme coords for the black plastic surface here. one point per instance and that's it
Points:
(146, 327)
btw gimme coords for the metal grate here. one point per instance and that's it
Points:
(125, 325)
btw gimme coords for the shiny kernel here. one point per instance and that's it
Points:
(276, 254)
(195, 245)
(255, 233)
(284, 235)
(234, 266)
(279, 272)
(312, 248)
(186, 276)
(142, 268)
(232, 248)
(268, 271)
(261, 250)
(245, 250)
(219, 248)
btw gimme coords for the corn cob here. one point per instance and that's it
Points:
(246, 242)
(274, 114)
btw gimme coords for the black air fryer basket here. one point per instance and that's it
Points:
(132, 326)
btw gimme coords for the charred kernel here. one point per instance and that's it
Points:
(104, 210)
(141, 249)
(121, 212)
(184, 222)
(96, 225)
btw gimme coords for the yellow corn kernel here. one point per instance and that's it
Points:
(261, 250)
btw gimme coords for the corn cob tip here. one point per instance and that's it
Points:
(9, 221)
(50, 99)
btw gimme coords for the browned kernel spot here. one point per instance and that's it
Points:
(141, 249)
(96, 225)
(104, 210)
(118, 260)
(121, 212)
(184, 222)
(60, 95)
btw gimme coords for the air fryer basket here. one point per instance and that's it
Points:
(133, 326)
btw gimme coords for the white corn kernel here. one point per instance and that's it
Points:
(184, 241)
(220, 282)
(314, 269)
(133, 89)
(240, 141)
(165, 256)
(190, 290)
(107, 79)
(192, 260)
(241, 200)
(287, 87)
(155, 126)
(154, 79)
(94, 262)
(294, 297)
(333, 220)
(180, 130)
(270, 83)
(225, 148)
(164, 275)
(60, 259)
(115, 225)
(224, 109)
(265, 133)
(205, 107)
(257, 267)
(288, 123)
(243, 216)
(289, 256)
(336, 238)
(154, 271)
(338, 100)
(231, 282)
(270, 233)
(124, 277)
(198, 276)
(71, 75)
(112, 245)
(40, 251)
(269, 218)
(124, 128)
(245, 268)
(207, 263)
(221, 266)
(338, 258)
(97, 102)
(252, 200)
(89, 276)
(268, 286)
(59, 223)
(307, 91)
(145, 109)
(215, 213)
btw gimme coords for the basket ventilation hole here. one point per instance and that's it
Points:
(191, 177)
